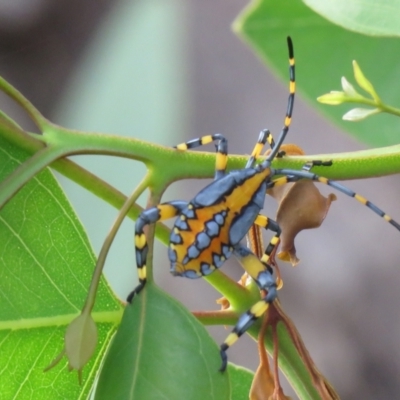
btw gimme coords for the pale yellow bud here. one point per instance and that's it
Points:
(364, 83)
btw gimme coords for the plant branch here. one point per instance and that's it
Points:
(17, 96)
(218, 317)
(130, 201)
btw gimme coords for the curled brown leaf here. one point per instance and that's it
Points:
(301, 206)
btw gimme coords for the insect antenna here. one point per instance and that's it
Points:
(289, 110)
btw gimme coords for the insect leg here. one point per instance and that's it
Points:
(265, 281)
(267, 223)
(221, 147)
(264, 137)
(150, 216)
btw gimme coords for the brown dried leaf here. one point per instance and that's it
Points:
(301, 206)
(262, 386)
(321, 384)
(266, 385)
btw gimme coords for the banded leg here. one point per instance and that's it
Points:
(294, 175)
(221, 147)
(150, 216)
(264, 279)
(254, 236)
(267, 223)
(264, 137)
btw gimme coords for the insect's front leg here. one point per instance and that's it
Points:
(161, 212)
(221, 148)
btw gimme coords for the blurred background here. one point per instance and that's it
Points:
(171, 71)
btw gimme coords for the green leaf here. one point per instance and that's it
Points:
(324, 53)
(370, 17)
(241, 379)
(46, 264)
(161, 351)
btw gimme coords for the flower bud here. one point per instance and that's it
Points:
(364, 83)
(348, 88)
(357, 114)
(80, 343)
(333, 98)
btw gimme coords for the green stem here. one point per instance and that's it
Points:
(196, 164)
(130, 201)
(390, 109)
(373, 103)
(156, 192)
(238, 295)
(219, 317)
(16, 95)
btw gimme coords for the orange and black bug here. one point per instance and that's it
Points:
(209, 228)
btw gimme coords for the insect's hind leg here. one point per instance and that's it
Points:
(150, 216)
(262, 275)
(221, 148)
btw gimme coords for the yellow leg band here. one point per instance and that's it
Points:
(257, 150)
(182, 146)
(221, 161)
(231, 339)
(259, 308)
(274, 241)
(140, 241)
(261, 220)
(206, 139)
(142, 273)
(361, 199)
(166, 211)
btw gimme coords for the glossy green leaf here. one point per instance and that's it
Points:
(46, 264)
(324, 53)
(241, 379)
(161, 352)
(370, 17)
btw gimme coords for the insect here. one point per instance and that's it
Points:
(209, 228)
